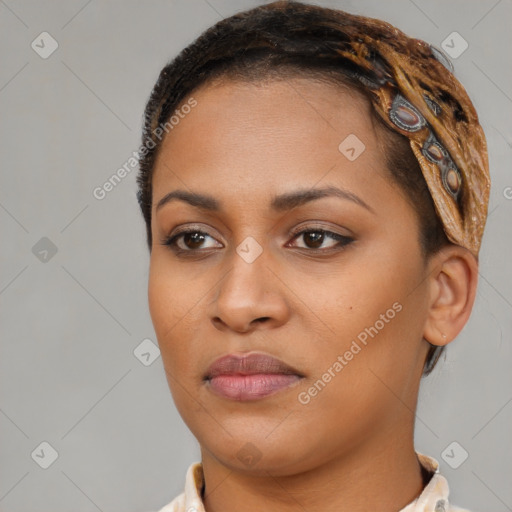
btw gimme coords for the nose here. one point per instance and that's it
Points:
(250, 296)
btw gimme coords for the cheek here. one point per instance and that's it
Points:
(368, 361)
(177, 302)
(170, 299)
(172, 311)
(162, 302)
(380, 304)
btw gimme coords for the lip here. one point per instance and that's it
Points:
(249, 377)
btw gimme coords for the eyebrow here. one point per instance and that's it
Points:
(279, 203)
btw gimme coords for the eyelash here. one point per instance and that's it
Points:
(342, 240)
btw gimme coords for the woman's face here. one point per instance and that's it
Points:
(345, 309)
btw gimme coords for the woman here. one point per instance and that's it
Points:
(315, 189)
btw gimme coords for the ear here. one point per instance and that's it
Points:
(453, 277)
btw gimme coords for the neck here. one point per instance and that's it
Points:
(383, 475)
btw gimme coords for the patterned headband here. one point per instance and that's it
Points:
(417, 96)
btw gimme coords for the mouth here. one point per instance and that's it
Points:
(249, 377)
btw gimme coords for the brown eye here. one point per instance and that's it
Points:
(191, 240)
(314, 239)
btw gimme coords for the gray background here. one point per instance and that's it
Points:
(71, 320)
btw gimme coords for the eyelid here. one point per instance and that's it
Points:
(190, 227)
(317, 225)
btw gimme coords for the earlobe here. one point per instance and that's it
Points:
(453, 281)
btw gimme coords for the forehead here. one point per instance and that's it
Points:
(268, 134)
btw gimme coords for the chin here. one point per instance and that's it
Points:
(259, 455)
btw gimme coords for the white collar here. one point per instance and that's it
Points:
(434, 497)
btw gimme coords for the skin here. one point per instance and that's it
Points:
(351, 447)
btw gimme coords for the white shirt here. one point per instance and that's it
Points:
(433, 498)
